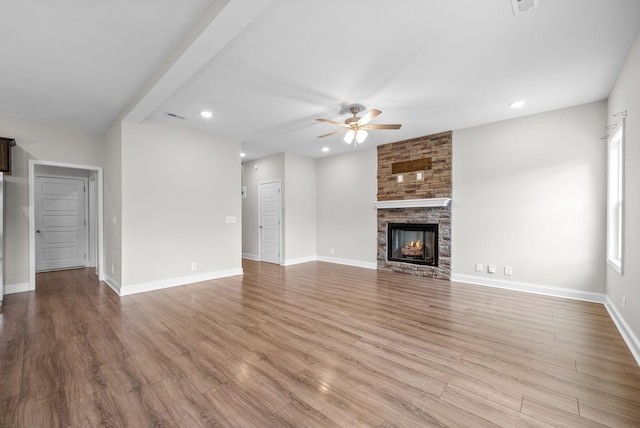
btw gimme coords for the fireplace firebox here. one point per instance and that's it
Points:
(413, 243)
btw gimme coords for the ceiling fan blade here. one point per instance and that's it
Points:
(332, 133)
(333, 122)
(375, 126)
(368, 117)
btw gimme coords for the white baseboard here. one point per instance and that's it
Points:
(348, 262)
(290, 262)
(17, 288)
(625, 331)
(567, 293)
(115, 286)
(298, 261)
(250, 257)
(175, 282)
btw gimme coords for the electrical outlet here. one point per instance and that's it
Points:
(624, 304)
(491, 268)
(508, 270)
(332, 251)
(194, 266)
(478, 267)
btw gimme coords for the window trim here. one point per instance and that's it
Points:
(615, 199)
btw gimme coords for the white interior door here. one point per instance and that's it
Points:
(61, 227)
(269, 227)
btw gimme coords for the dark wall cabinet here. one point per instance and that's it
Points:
(5, 154)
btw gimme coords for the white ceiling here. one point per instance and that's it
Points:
(268, 68)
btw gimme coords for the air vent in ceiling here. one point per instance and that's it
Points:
(176, 116)
(522, 6)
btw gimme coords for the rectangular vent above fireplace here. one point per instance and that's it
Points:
(413, 243)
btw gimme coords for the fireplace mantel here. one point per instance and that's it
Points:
(413, 203)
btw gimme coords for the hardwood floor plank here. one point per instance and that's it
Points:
(80, 367)
(239, 409)
(202, 373)
(95, 410)
(269, 393)
(141, 407)
(314, 344)
(42, 379)
(122, 377)
(606, 416)
(50, 412)
(311, 392)
(136, 343)
(154, 367)
(487, 409)
(554, 416)
(299, 414)
(186, 405)
(570, 383)
(451, 371)
(11, 357)
(9, 411)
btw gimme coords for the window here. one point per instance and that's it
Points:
(615, 197)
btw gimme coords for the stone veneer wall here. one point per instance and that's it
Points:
(436, 184)
(437, 180)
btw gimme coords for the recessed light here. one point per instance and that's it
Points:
(243, 154)
(517, 104)
(325, 149)
(206, 114)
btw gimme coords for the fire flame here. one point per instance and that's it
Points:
(415, 244)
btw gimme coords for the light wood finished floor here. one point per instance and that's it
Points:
(314, 345)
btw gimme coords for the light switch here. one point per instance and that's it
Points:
(231, 219)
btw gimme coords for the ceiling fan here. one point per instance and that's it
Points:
(356, 127)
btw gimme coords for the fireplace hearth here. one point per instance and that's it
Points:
(413, 243)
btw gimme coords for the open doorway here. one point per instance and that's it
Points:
(88, 250)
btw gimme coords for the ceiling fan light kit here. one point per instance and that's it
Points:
(360, 135)
(355, 127)
(349, 136)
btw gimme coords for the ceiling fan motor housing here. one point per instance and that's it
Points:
(354, 111)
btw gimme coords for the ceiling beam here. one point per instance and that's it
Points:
(218, 26)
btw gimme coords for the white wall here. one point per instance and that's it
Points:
(347, 219)
(626, 96)
(113, 206)
(530, 193)
(44, 142)
(178, 187)
(253, 173)
(299, 202)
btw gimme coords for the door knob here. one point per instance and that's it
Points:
(38, 231)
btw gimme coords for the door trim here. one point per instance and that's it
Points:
(32, 216)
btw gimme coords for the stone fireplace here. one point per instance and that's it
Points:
(415, 243)
(414, 194)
